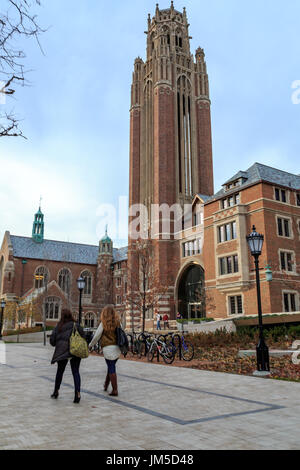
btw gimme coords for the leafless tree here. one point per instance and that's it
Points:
(17, 22)
(144, 288)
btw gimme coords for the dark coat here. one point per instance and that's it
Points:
(61, 341)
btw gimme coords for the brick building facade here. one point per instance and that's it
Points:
(38, 276)
(270, 200)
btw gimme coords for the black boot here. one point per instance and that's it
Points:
(55, 394)
(77, 397)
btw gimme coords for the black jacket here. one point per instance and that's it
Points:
(61, 341)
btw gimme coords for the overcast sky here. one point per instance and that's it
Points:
(76, 111)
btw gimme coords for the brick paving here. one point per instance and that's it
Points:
(158, 407)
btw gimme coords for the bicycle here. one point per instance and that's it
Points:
(186, 348)
(145, 339)
(133, 344)
(166, 351)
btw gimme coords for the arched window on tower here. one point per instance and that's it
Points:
(178, 38)
(41, 277)
(87, 276)
(184, 123)
(64, 280)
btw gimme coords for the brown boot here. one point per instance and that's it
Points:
(106, 383)
(113, 379)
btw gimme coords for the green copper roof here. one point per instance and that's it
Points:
(106, 238)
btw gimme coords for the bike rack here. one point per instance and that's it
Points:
(179, 345)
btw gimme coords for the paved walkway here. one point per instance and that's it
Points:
(158, 407)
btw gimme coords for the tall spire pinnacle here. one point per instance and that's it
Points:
(38, 226)
(157, 11)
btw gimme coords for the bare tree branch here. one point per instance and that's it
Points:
(16, 23)
(9, 126)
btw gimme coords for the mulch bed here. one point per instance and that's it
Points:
(225, 359)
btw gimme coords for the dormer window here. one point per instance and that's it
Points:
(230, 201)
(234, 184)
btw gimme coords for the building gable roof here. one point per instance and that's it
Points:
(259, 172)
(51, 250)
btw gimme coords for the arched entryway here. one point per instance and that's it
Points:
(191, 293)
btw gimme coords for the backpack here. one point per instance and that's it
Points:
(122, 340)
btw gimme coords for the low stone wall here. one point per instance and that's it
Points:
(208, 327)
(27, 338)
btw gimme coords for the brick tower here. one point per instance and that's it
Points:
(170, 132)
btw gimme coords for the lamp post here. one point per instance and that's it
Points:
(3, 303)
(44, 283)
(255, 242)
(81, 286)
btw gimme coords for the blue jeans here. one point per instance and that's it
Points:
(111, 366)
(158, 326)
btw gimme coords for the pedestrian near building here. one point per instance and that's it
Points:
(158, 319)
(106, 333)
(179, 317)
(166, 321)
(60, 339)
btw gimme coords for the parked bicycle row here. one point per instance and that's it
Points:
(165, 345)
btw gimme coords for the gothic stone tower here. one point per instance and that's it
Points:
(104, 272)
(170, 129)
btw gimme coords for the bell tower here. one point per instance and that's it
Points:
(170, 129)
(170, 132)
(38, 227)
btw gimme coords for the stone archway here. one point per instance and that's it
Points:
(190, 292)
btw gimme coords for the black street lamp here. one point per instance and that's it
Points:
(3, 303)
(255, 241)
(81, 286)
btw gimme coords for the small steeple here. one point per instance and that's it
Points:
(106, 244)
(38, 226)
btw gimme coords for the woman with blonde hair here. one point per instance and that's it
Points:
(109, 321)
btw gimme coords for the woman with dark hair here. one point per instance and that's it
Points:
(109, 321)
(60, 338)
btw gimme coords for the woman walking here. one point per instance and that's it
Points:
(109, 321)
(60, 338)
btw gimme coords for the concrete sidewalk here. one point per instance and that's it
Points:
(158, 407)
